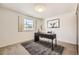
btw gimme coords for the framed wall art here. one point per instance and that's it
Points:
(54, 23)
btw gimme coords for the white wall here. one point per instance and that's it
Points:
(9, 28)
(67, 30)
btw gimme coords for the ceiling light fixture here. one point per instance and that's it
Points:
(40, 8)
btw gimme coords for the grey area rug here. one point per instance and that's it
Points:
(42, 48)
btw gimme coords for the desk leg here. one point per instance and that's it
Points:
(36, 38)
(55, 42)
(52, 45)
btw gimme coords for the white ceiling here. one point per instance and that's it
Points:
(51, 8)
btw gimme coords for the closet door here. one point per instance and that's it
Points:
(78, 28)
(77, 40)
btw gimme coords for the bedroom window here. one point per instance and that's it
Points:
(28, 24)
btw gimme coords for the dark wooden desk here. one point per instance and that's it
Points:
(49, 36)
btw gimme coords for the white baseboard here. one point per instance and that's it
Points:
(67, 42)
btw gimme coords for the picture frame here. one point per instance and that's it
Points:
(55, 23)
